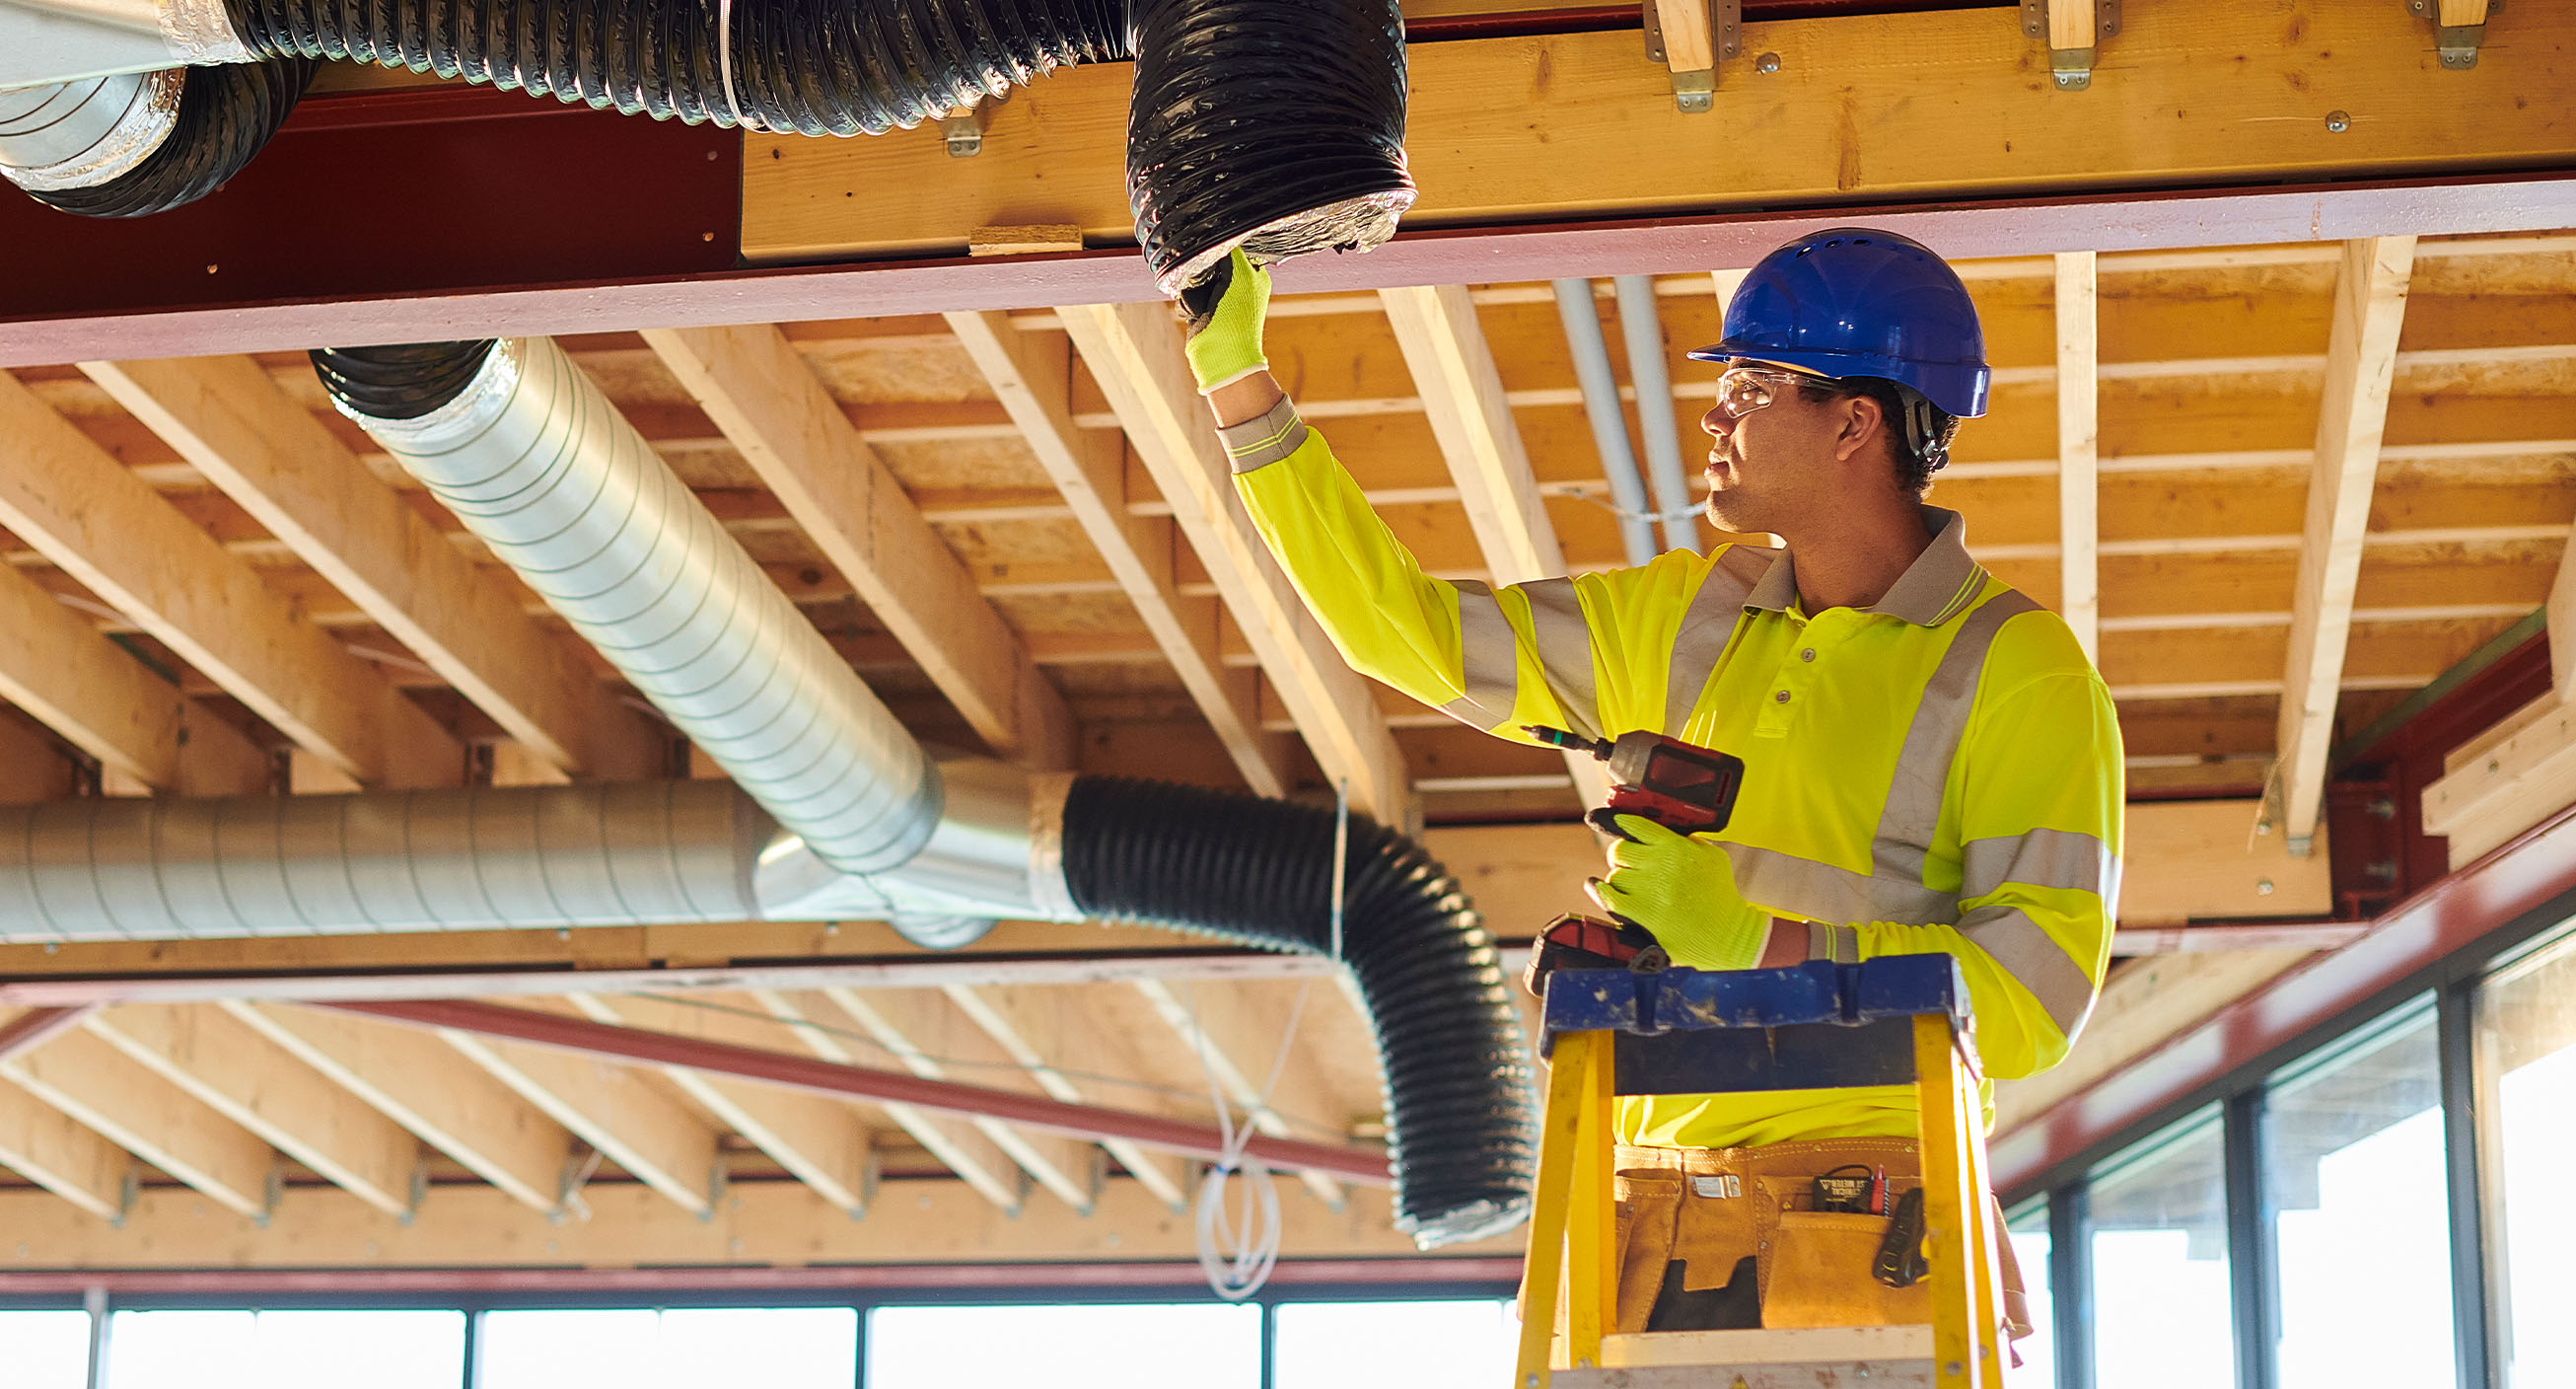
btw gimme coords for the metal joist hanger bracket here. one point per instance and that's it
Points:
(2459, 27)
(2073, 31)
(1691, 37)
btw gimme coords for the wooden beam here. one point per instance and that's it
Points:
(33, 767)
(820, 1142)
(2145, 1003)
(929, 1040)
(1049, 1033)
(2078, 486)
(2072, 23)
(1930, 107)
(759, 390)
(2193, 861)
(126, 543)
(613, 1109)
(420, 1083)
(56, 666)
(2361, 358)
(2562, 623)
(2513, 784)
(760, 1223)
(51, 1149)
(1134, 352)
(221, 1062)
(1032, 374)
(982, 1166)
(1219, 1027)
(149, 1117)
(228, 417)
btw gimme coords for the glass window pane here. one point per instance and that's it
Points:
(2162, 1314)
(771, 1347)
(549, 1349)
(2527, 1075)
(285, 1350)
(2353, 1173)
(1393, 1345)
(45, 1350)
(2028, 1229)
(1192, 1346)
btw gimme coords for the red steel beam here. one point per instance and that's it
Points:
(2534, 869)
(1087, 1122)
(36, 1026)
(210, 322)
(1024, 1277)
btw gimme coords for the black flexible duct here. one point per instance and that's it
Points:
(402, 382)
(1461, 1106)
(1276, 123)
(227, 113)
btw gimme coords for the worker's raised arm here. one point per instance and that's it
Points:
(1549, 652)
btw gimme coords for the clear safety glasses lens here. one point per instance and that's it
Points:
(1742, 390)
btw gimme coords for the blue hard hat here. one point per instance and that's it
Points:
(1856, 302)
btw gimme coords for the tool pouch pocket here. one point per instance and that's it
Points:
(1816, 1272)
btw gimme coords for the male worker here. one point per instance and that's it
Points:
(1931, 762)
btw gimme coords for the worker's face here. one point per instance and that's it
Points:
(1776, 458)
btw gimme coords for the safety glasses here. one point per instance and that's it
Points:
(1743, 390)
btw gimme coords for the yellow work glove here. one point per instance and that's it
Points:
(1225, 315)
(1681, 889)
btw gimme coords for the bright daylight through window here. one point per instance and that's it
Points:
(2527, 1078)
(2161, 1312)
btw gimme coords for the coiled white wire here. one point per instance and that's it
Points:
(1239, 1247)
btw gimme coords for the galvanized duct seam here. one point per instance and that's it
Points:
(532, 458)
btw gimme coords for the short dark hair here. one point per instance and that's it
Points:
(1918, 431)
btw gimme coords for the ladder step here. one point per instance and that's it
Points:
(1821, 1374)
(1823, 1357)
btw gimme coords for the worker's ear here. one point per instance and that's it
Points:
(1859, 420)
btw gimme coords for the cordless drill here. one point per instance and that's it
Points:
(1683, 787)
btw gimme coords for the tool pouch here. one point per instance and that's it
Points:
(1816, 1265)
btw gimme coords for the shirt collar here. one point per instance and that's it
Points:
(1937, 587)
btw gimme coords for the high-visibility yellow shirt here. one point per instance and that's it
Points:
(1939, 772)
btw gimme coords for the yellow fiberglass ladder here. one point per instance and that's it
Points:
(1611, 1032)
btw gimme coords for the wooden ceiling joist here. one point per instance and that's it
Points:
(228, 417)
(53, 1150)
(2370, 308)
(978, 1162)
(1032, 375)
(1055, 1045)
(761, 393)
(421, 1083)
(2078, 490)
(55, 665)
(930, 1040)
(86, 1078)
(613, 1109)
(1134, 352)
(127, 544)
(232, 1069)
(1217, 1027)
(820, 1142)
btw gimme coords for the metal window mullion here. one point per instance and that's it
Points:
(471, 1375)
(2253, 1266)
(1269, 1342)
(2070, 1283)
(2466, 1138)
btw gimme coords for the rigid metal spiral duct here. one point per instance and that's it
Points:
(1277, 124)
(133, 144)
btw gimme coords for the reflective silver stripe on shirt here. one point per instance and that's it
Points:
(2041, 858)
(1840, 944)
(1260, 442)
(2035, 960)
(1564, 642)
(1912, 813)
(1489, 657)
(1709, 626)
(1798, 886)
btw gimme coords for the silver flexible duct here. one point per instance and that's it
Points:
(81, 134)
(1641, 327)
(533, 459)
(1591, 353)
(116, 868)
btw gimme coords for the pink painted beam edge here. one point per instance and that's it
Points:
(36, 1026)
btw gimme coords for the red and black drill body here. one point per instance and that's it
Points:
(1683, 787)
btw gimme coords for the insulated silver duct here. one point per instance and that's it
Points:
(83, 133)
(532, 458)
(114, 868)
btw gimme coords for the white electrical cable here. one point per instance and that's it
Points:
(1238, 1249)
